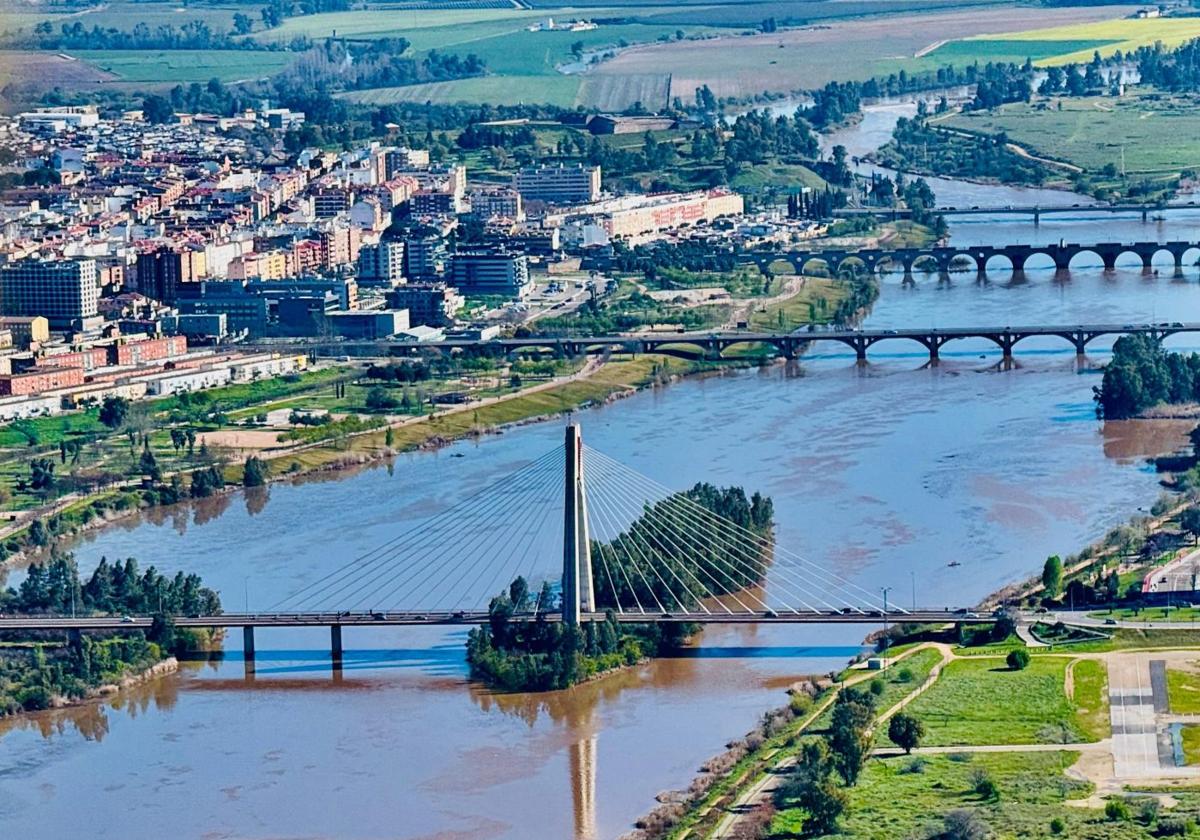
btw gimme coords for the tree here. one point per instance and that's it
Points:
(1052, 576)
(906, 731)
(255, 472)
(1017, 660)
(157, 109)
(380, 400)
(810, 787)
(242, 23)
(149, 463)
(1189, 520)
(113, 411)
(849, 738)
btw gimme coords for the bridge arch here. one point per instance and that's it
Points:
(995, 263)
(822, 264)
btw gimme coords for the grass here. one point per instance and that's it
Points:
(1183, 691)
(1013, 50)
(1189, 734)
(980, 701)
(892, 801)
(187, 65)
(1155, 133)
(1091, 698)
(1149, 614)
(815, 302)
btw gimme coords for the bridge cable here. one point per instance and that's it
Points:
(417, 576)
(653, 533)
(660, 531)
(423, 528)
(846, 586)
(756, 555)
(660, 507)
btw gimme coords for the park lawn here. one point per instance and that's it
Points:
(790, 177)
(980, 701)
(1157, 133)
(1189, 734)
(1183, 691)
(815, 303)
(174, 66)
(894, 799)
(1091, 698)
(48, 431)
(1154, 614)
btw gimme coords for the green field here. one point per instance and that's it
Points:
(1121, 33)
(1091, 698)
(1190, 736)
(1183, 691)
(1015, 50)
(894, 799)
(1158, 133)
(980, 701)
(173, 66)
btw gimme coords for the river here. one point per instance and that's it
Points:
(885, 472)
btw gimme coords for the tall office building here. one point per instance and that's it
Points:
(65, 292)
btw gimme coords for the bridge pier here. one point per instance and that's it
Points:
(335, 646)
(248, 643)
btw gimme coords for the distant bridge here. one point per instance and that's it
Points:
(1034, 210)
(942, 258)
(789, 344)
(627, 547)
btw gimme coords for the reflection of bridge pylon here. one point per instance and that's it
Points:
(583, 786)
(578, 592)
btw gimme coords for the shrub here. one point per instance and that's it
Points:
(1058, 825)
(983, 786)
(1116, 810)
(905, 675)
(961, 824)
(800, 702)
(1174, 827)
(1017, 659)
(877, 686)
(1147, 810)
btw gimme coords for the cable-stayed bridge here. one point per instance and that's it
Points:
(592, 537)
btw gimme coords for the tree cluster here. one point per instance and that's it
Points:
(113, 588)
(1142, 374)
(639, 566)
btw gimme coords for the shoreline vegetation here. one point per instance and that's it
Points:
(41, 670)
(632, 567)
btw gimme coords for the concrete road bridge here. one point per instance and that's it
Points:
(686, 564)
(789, 345)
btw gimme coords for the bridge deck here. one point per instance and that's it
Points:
(396, 618)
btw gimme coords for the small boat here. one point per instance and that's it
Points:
(953, 563)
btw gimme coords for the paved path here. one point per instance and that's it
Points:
(1131, 710)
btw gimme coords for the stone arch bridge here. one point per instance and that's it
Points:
(982, 257)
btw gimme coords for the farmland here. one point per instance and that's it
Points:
(187, 65)
(855, 49)
(1155, 133)
(1105, 36)
(123, 14)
